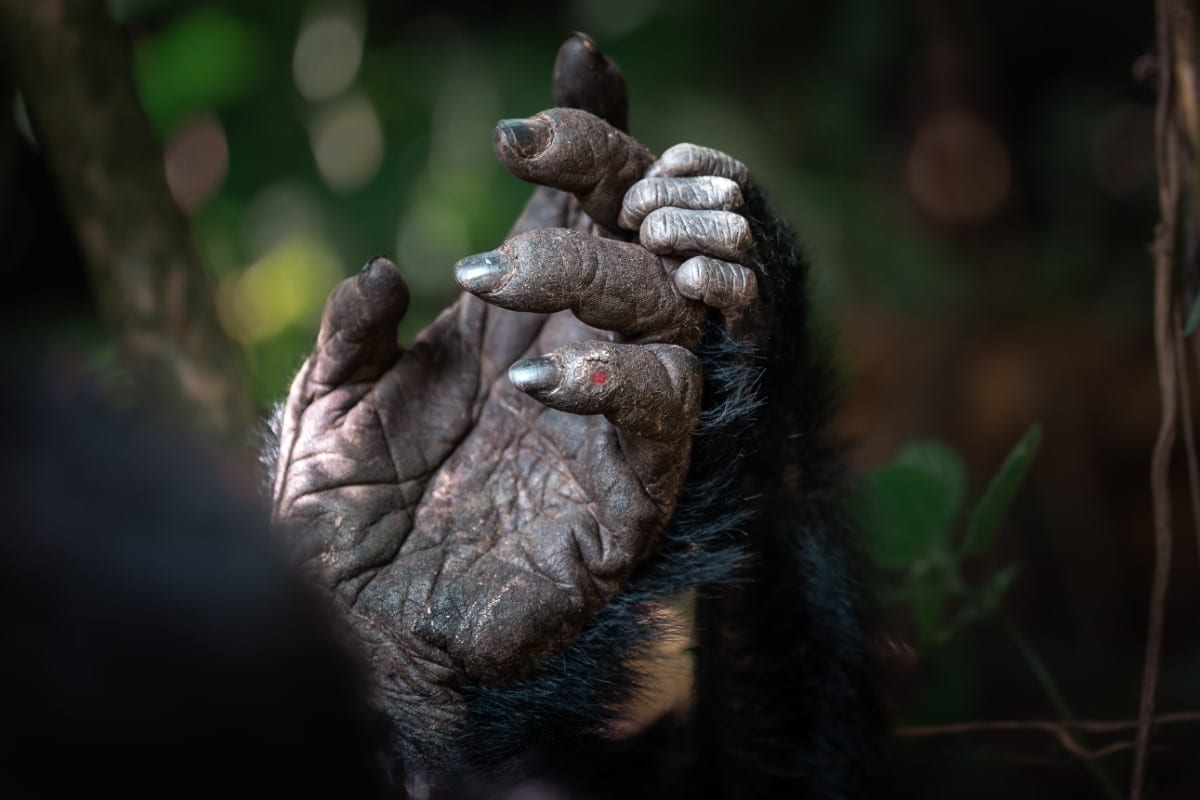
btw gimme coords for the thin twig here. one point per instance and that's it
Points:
(1061, 730)
(1163, 252)
(1185, 416)
(1098, 726)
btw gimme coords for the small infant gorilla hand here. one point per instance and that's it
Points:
(471, 500)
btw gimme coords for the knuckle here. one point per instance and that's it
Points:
(580, 258)
(662, 193)
(651, 230)
(735, 280)
(635, 205)
(677, 152)
(722, 281)
(693, 194)
(698, 226)
(692, 277)
(708, 194)
(750, 285)
(737, 231)
(729, 192)
(684, 158)
(658, 229)
(718, 284)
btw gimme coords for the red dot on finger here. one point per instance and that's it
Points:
(599, 377)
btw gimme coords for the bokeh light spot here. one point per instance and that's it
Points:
(281, 211)
(959, 169)
(347, 142)
(287, 286)
(196, 161)
(328, 51)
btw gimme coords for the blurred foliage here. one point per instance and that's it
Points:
(205, 59)
(914, 508)
(364, 127)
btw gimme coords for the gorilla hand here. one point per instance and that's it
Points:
(470, 516)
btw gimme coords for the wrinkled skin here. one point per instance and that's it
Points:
(468, 517)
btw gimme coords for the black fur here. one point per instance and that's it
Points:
(788, 703)
(155, 640)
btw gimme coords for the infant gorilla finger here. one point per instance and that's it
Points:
(691, 159)
(706, 192)
(718, 284)
(651, 391)
(608, 284)
(681, 232)
(572, 150)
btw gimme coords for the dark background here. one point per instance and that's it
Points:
(974, 184)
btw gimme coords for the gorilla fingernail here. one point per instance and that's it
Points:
(482, 272)
(526, 137)
(379, 272)
(535, 374)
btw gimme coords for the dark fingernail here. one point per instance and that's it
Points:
(534, 374)
(527, 137)
(482, 272)
(380, 275)
(378, 266)
(586, 41)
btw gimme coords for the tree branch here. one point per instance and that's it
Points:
(73, 66)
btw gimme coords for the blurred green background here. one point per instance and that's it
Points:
(972, 180)
(306, 137)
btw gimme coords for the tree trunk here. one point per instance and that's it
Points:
(73, 67)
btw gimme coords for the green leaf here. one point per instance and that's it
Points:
(991, 594)
(1193, 318)
(978, 605)
(906, 515)
(942, 464)
(989, 513)
(928, 591)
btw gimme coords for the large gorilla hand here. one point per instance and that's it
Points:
(469, 522)
(500, 543)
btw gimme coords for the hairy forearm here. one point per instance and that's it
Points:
(786, 692)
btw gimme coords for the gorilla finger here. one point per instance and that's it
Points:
(676, 231)
(572, 150)
(705, 192)
(607, 283)
(691, 159)
(358, 328)
(718, 284)
(585, 78)
(651, 391)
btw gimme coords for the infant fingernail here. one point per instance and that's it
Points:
(533, 374)
(482, 272)
(527, 137)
